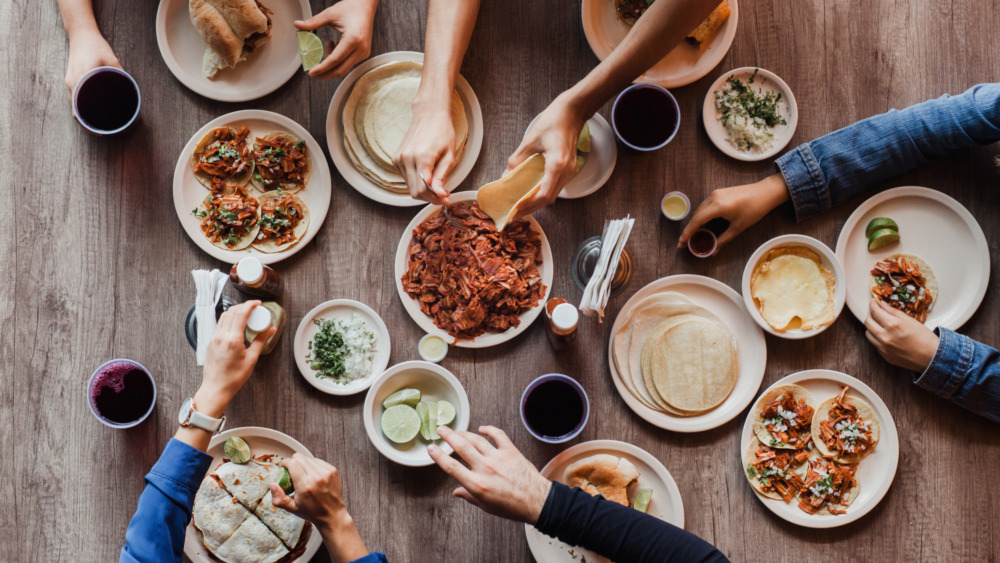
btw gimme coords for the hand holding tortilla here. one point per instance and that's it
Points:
(498, 479)
(900, 339)
(503, 199)
(354, 20)
(907, 283)
(232, 29)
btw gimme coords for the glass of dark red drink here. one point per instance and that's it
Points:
(554, 408)
(645, 117)
(106, 100)
(121, 393)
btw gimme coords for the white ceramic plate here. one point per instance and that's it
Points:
(263, 72)
(768, 82)
(665, 504)
(426, 323)
(342, 309)
(335, 133)
(932, 226)
(875, 472)
(261, 441)
(751, 350)
(189, 193)
(680, 67)
(434, 383)
(829, 260)
(600, 161)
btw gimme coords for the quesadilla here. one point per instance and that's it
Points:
(252, 542)
(287, 526)
(845, 428)
(232, 29)
(281, 161)
(216, 514)
(284, 220)
(907, 283)
(248, 482)
(782, 418)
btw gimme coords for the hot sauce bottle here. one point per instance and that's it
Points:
(561, 319)
(252, 277)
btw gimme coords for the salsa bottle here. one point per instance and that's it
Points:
(252, 277)
(561, 319)
(263, 317)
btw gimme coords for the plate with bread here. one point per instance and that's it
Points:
(230, 50)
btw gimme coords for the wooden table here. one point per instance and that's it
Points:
(95, 266)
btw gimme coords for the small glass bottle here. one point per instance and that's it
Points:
(263, 317)
(561, 319)
(252, 277)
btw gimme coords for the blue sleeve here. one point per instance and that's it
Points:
(836, 167)
(966, 373)
(373, 557)
(618, 532)
(156, 532)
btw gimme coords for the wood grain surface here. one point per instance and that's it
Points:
(94, 265)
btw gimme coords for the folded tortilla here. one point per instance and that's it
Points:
(248, 482)
(252, 542)
(216, 513)
(284, 524)
(502, 199)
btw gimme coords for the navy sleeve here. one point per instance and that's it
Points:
(618, 532)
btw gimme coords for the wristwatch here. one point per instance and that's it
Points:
(190, 417)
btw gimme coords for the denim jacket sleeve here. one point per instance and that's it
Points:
(966, 373)
(836, 167)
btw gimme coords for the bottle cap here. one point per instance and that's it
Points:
(260, 319)
(565, 316)
(249, 270)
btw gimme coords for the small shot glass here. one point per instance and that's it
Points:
(672, 202)
(703, 243)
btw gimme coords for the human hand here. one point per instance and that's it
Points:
(554, 135)
(900, 339)
(228, 361)
(742, 206)
(87, 50)
(499, 479)
(427, 153)
(354, 19)
(319, 498)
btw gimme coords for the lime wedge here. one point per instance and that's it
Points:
(641, 501)
(236, 449)
(400, 423)
(583, 143)
(882, 237)
(445, 414)
(880, 223)
(427, 411)
(580, 161)
(310, 49)
(408, 397)
(285, 481)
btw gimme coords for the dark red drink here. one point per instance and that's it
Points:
(702, 243)
(122, 393)
(645, 117)
(106, 100)
(554, 408)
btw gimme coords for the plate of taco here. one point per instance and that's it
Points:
(819, 448)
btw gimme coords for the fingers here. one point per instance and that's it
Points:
(464, 494)
(881, 313)
(257, 346)
(520, 154)
(498, 436)
(463, 447)
(237, 316)
(705, 213)
(315, 22)
(449, 465)
(482, 444)
(440, 173)
(281, 500)
(333, 61)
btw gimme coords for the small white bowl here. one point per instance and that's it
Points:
(426, 358)
(782, 133)
(829, 260)
(434, 382)
(687, 206)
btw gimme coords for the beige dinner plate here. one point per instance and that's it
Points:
(264, 71)
(666, 502)
(875, 472)
(427, 324)
(189, 193)
(681, 66)
(261, 441)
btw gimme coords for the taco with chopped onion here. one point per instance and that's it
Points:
(281, 161)
(772, 472)
(230, 220)
(907, 283)
(782, 418)
(284, 220)
(223, 153)
(828, 487)
(845, 429)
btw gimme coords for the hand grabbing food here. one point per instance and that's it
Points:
(427, 154)
(499, 479)
(900, 339)
(354, 19)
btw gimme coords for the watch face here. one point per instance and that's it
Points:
(185, 413)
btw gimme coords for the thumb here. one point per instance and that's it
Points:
(257, 346)
(520, 155)
(281, 500)
(311, 24)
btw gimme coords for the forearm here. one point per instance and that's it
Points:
(341, 538)
(618, 532)
(836, 167)
(77, 16)
(449, 29)
(664, 25)
(208, 402)
(966, 373)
